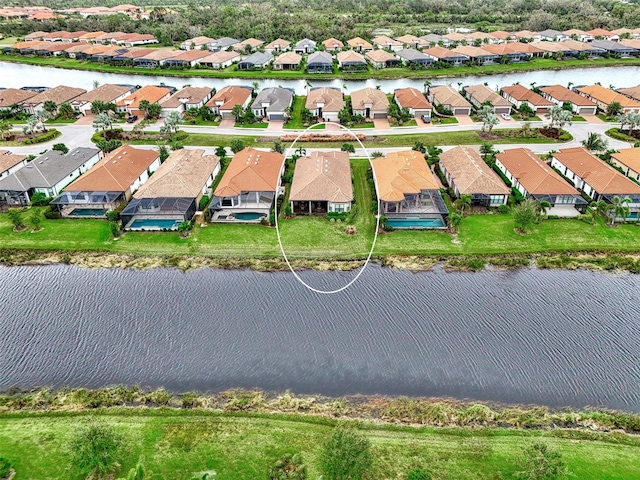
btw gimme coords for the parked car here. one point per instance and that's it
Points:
(506, 116)
(132, 118)
(426, 118)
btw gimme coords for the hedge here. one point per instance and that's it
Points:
(50, 135)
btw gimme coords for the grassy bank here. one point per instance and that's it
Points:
(239, 435)
(384, 73)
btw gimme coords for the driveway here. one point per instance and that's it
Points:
(275, 125)
(85, 119)
(227, 123)
(593, 119)
(381, 123)
(464, 119)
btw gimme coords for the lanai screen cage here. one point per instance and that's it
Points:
(79, 198)
(159, 208)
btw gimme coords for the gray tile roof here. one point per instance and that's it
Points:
(258, 58)
(413, 55)
(47, 170)
(612, 46)
(320, 57)
(277, 98)
(224, 42)
(432, 37)
(307, 42)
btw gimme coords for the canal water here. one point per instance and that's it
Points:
(17, 75)
(549, 337)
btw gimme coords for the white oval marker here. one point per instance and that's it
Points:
(375, 237)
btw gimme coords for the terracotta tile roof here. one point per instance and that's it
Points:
(599, 32)
(578, 46)
(478, 35)
(483, 94)
(8, 160)
(251, 170)
(630, 42)
(379, 56)
(252, 42)
(621, 31)
(75, 48)
(400, 173)
(471, 174)
(283, 44)
(602, 177)
(384, 41)
(608, 96)
(162, 54)
(9, 96)
(629, 157)
(35, 35)
(534, 175)
(511, 48)
(520, 93)
(96, 49)
(331, 43)
(455, 36)
(350, 56)
(182, 175)
(194, 96)
(322, 176)
(502, 35)
(411, 98)
(359, 42)
(446, 95)
(136, 53)
(149, 92)
(116, 172)
(563, 94)
(441, 52)
(376, 98)
(33, 44)
(525, 34)
(105, 93)
(191, 55)
(198, 41)
(471, 51)
(553, 47)
(220, 57)
(633, 92)
(58, 95)
(413, 40)
(229, 96)
(574, 31)
(288, 58)
(91, 35)
(332, 98)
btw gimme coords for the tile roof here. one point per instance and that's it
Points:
(471, 174)
(563, 94)
(599, 32)
(320, 57)
(471, 51)
(534, 175)
(149, 92)
(277, 98)
(258, 58)
(411, 54)
(59, 95)
(520, 93)
(411, 98)
(106, 93)
(412, 39)
(359, 42)
(482, 93)
(379, 56)
(198, 41)
(332, 99)
(350, 56)
(331, 43)
(252, 42)
(251, 170)
(278, 42)
(220, 57)
(369, 96)
(288, 58)
(229, 96)
(602, 177)
(446, 95)
(162, 54)
(9, 96)
(191, 55)
(116, 172)
(322, 176)
(501, 34)
(400, 173)
(386, 42)
(194, 96)
(608, 96)
(9, 160)
(629, 157)
(182, 175)
(633, 92)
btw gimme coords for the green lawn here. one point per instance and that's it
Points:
(252, 125)
(604, 118)
(199, 121)
(176, 445)
(295, 122)
(578, 118)
(362, 125)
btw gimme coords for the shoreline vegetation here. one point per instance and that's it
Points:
(388, 73)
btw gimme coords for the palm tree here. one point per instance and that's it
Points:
(620, 208)
(597, 208)
(344, 87)
(462, 203)
(307, 86)
(5, 128)
(102, 122)
(427, 84)
(541, 208)
(171, 123)
(454, 220)
(42, 116)
(594, 142)
(488, 118)
(256, 86)
(301, 151)
(238, 112)
(486, 150)
(559, 117)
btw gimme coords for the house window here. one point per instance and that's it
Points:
(496, 199)
(227, 202)
(564, 199)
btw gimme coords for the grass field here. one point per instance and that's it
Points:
(295, 122)
(176, 445)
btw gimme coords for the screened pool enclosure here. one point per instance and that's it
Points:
(157, 213)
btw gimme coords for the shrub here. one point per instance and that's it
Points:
(95, 448)
(52, 214)
(348, 147)
(60, 147)
(115, 229)
(39, 199)
(503, 209)
(5, 467)
(50, 135)
(419, 475)
(346, 455)
(337, 215)
(204, 201)
(288, 467)
(15, 216)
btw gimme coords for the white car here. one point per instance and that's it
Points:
(506, 116)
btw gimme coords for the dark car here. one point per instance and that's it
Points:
(426, 118)
(132, 118)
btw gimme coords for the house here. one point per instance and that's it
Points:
(370, 103)
(450, 99)
(156, 58)
(48, 174)
(14, 96)
(196, 43)
(559, 94)
(320, 62)
(359, 45)
(107, 184)
(351, 61)
(631, 92)
(186, 98)
(126, 58)
(603, 97)
(91, 51)
(39, 35)
(432, 39)
(452, 57)
(134, 39)
(601, 34)
(225, 99)
(172, 194)
(595, 178)
(479, 95)
(455, 38)
(468, 174)
(533, 178)
(224, 43)
(322, 184)
(106, 93)
(11, 162)
(332, 45)
(579, 35)
(131, 103)
(584, 48)
(188, 58)
(616, 48)
(633, 43)
(551, 35)
(477, 55)
(500, 36)
(272, 103)
(478, 38)
(413, 100)
(255, 61)
(278, 45)
(325, 103)
(519, 95)
(413, 42)
(408, 191)
(58, 95)
(524, 36)
(305, 46)
(514, 52)
(628, 159)
(287, 61)
(557, 50)
(410, 56)
(386, 43)
(73, 50)
(382, 59)
(248, 45)
(51, 49)
(218, 60)
(248, 188)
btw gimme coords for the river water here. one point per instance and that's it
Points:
(18, 75)
(526, 336)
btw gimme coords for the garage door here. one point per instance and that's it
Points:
(500, 110)
(276, 117)
(462, 111)
(419, 113)
(379, 115)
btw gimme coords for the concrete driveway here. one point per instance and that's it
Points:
(275, 125)
(593, 119)
(227, 123)
(464, 119)
(381, 123)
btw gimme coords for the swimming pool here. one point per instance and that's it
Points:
(87, 212)
(249, 215)
(415, 222)
(154, 224)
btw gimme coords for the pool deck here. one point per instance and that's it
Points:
(227, 215)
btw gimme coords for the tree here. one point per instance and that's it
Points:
(524, 215)
(50, 107)
(151, 110)
(559, 117)
(41, 116)
(526, 110)
(487, 151)
(614, 109)
(66, 111)
(31, 126)
(171, 123)
(597, 209)
(184, 228)
(40, 199)
(237, 145)
(164, 153)
(102, 122)
(95, 448)
(542, 463)
(541, 208)
(238, 112)
(346, 456)
(619, 208)
(419, 147)
(60, 147)
(35, 220)
(631, 119)
(488, 118)
(221, 152)
(348, 147)
(15, 217)
(344, 116)
(301, 151)
(288, 467)
(108, 145)
(277, 147)
(5, 467)
(463, 202)
(594, 142)
(454, 220)
(5, 128)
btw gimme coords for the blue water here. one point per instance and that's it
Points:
(87, 212)
(248, 215)
(415, 222)
(153, 223)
